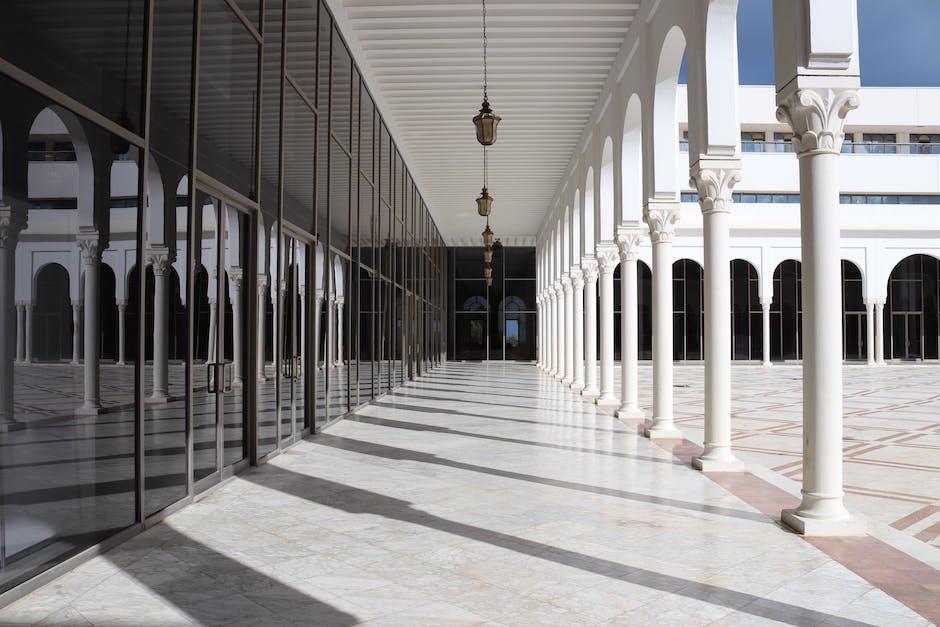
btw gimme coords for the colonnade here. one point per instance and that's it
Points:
(623, 189)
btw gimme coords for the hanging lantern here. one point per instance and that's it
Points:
(497, 245)
(487, 271)
(485, 121)
(484, 203)
(488, 236)
(487, 255)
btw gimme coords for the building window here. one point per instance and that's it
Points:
(684, 142)
(879, 143)
(752, 141)
(783, 142)
(925, 144)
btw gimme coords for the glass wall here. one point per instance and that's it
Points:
(495, 322)
(215, 251)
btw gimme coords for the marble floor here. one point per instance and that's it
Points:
(483, 494)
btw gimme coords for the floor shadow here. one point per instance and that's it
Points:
(201, 582)
(417, 426)
(394, 453)
(358, 501)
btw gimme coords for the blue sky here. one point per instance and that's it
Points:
(899, 42)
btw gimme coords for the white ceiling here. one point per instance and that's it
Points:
(547, 61)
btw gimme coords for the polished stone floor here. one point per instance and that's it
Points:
(481, 494)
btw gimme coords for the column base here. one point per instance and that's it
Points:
(577, 386)
(88, 410)
(568, 381)
(590, 393)
(558, 376)
(846, 526)
(157, 399)
(120, 363)
(630, 413)
(607, 404)
(766, 364)
(718, 465)
(666, 432)
(8, 426)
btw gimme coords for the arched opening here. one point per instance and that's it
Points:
(912, 309)
(645, 304)
(746, 324)
(587, 228)
(786, 312)
(606, 230)
(632, 162)
(107, 309)
(52, 315)
(201, 315)
(665, 123)
(854, 316)
(176, 333)
(688, 310)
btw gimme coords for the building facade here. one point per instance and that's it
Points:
(210, 247)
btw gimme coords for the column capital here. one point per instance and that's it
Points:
(629, 240)
(559, 291)
(607, 256)
(766, 302)
(90, 247)
(661, 217)
(160, 259)
(263, 281)
(714, 180)
(589, 270)
(577, 277)
(566, 283)
(340, 301)
(817, 117)
(121, 303)
(236, 276)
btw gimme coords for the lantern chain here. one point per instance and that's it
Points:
(485, 98)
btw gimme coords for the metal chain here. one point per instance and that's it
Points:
(484, 52)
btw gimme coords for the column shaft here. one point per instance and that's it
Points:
(262, 314)
(76, 332)
(607, 263)
(91, 263)
(122, 330)
(879, 333)
(28, 357)
(870, 332)
(663, 426)
(629, 243)
(237, 332)
(577, 329)
(339, 334)
(161, 327)
(591, 390)
(765, 331)
(569, 333)
(20, 331)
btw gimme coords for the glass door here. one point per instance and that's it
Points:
(906, 336)
(220, 353)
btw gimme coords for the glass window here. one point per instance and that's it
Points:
(752, 141)
(299, 133)
(341, 91)
(227, 89)
(302, 44)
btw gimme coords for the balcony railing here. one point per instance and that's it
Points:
(784, 146)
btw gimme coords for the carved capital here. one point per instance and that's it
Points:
(589, 268)
(628, 243)
(160, 261)
(577, 278)
(12, 222)
(607, 258)
(714, 186)
(559, 290)
(235, 276)
(90, 247)
(340, 301)
(661, 219)
(817, 118)
(566, 284)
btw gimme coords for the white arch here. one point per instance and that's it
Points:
(606, 227)
(665, 144)
(587, 215)
(632, 162)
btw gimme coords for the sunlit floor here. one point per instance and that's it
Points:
(484, 494)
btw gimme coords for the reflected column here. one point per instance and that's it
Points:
(339, 331)
(303, 330)
(20, 332)
(235, 276)
(317, 309)
(91, 266)
(28, 356)
(160, 263)
(12, 222)
(76, 330)
(122, 331)
(262, 316)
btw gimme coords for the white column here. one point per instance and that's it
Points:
(262, 315)
(816, 117)
(540, 331)
(870, 331)
(235, 276)
(160, 262)
(559, 373)
(577, 327)
(607, 259)
(317, 311)
(91, 266)
(879, 332)
(765, 304)
(661, 216)
(553, 331)
(76, 331)
(589, 268)
(629, 241)
(20, 332)
(330, 331)
(339, 332)
(28, 355)
(568, 290)
(714, 179)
